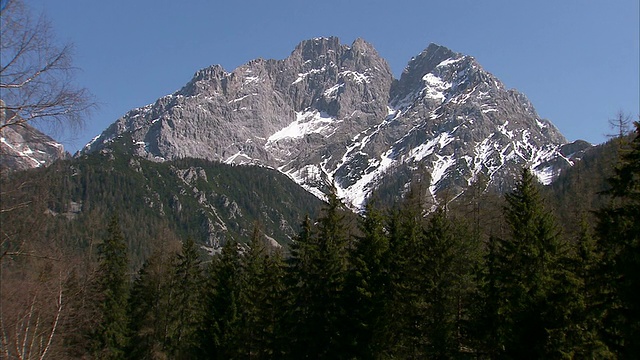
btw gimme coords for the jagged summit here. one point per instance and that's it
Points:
(333, 112)
(24, 147)
(314, 48)
(429, 58)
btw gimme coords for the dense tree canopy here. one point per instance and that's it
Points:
(482, 277)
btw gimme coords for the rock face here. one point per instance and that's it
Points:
(332, 112)
(24, 147)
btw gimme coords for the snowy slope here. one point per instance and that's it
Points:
(333, 113)
(25, 147)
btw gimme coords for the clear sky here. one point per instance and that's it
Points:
(578, 61)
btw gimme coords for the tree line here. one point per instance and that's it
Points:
(409, 282)
(416, 281)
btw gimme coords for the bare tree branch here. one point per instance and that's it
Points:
(36, 75)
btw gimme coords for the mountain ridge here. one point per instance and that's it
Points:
(330, 112)
(23, 146)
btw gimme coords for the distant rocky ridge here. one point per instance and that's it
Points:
(333, 112)
(23, 147)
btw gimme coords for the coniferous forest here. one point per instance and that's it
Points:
(524, 275)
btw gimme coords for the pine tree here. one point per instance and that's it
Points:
(260, 300)
(489, 323)
(450, 256)
(219, 325)
(186, 306)
(618, 231)
(367, 286)
(530, 289)
(318, 271)
(150, 306)
(405, 293)
(432, 285)
(585, 337)
(301, 268)
(112, 284)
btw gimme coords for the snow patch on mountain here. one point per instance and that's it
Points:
(23, 151)
(332, 92)
(303, 76)
(307, 122)
(435, 87)
(331, 112)
(440, 167)
(421, 151)
(355, 76)
(357, 194)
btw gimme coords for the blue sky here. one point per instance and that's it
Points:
(578, 61)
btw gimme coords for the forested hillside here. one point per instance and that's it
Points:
(207, 201)
(525, 275)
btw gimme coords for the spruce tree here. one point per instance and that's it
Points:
(432, 285)
(318, 272)
(112, 284)
(618, 231)
(260, 300)
(186, 305)
(301, 268)
(584, 266)
(150, 306)
(219, 325)
(449, 258)
(530, 289)
(405, 297)
(367, 286)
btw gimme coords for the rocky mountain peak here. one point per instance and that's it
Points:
(429, 58)
(435, 60)
(24, 147)
(318, 47)
(332, 112)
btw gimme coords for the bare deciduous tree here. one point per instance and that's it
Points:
(36, 75)
(36, 88)
(28, 331)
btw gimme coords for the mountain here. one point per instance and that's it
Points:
(333, 112)
(209, 202)
(25, 147)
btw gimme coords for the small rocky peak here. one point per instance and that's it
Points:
(425, 62)
(428, 59)
(208, 73)
(575, 150)
(204, 79)
(363, 47)
(361, 59)
(25, 147)
(314, 48)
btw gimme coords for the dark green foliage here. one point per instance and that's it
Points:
(176, 195)
(260, 300)
(366, 285)
(530, 291)
(151, 307)
(317, 275)
(112, 285)
(432, 285)
(618, 230)
(472, 279)
(244, 302)
(218, 335)
(186, 304)
(587, 316)
(453, 255)
(574, 196)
